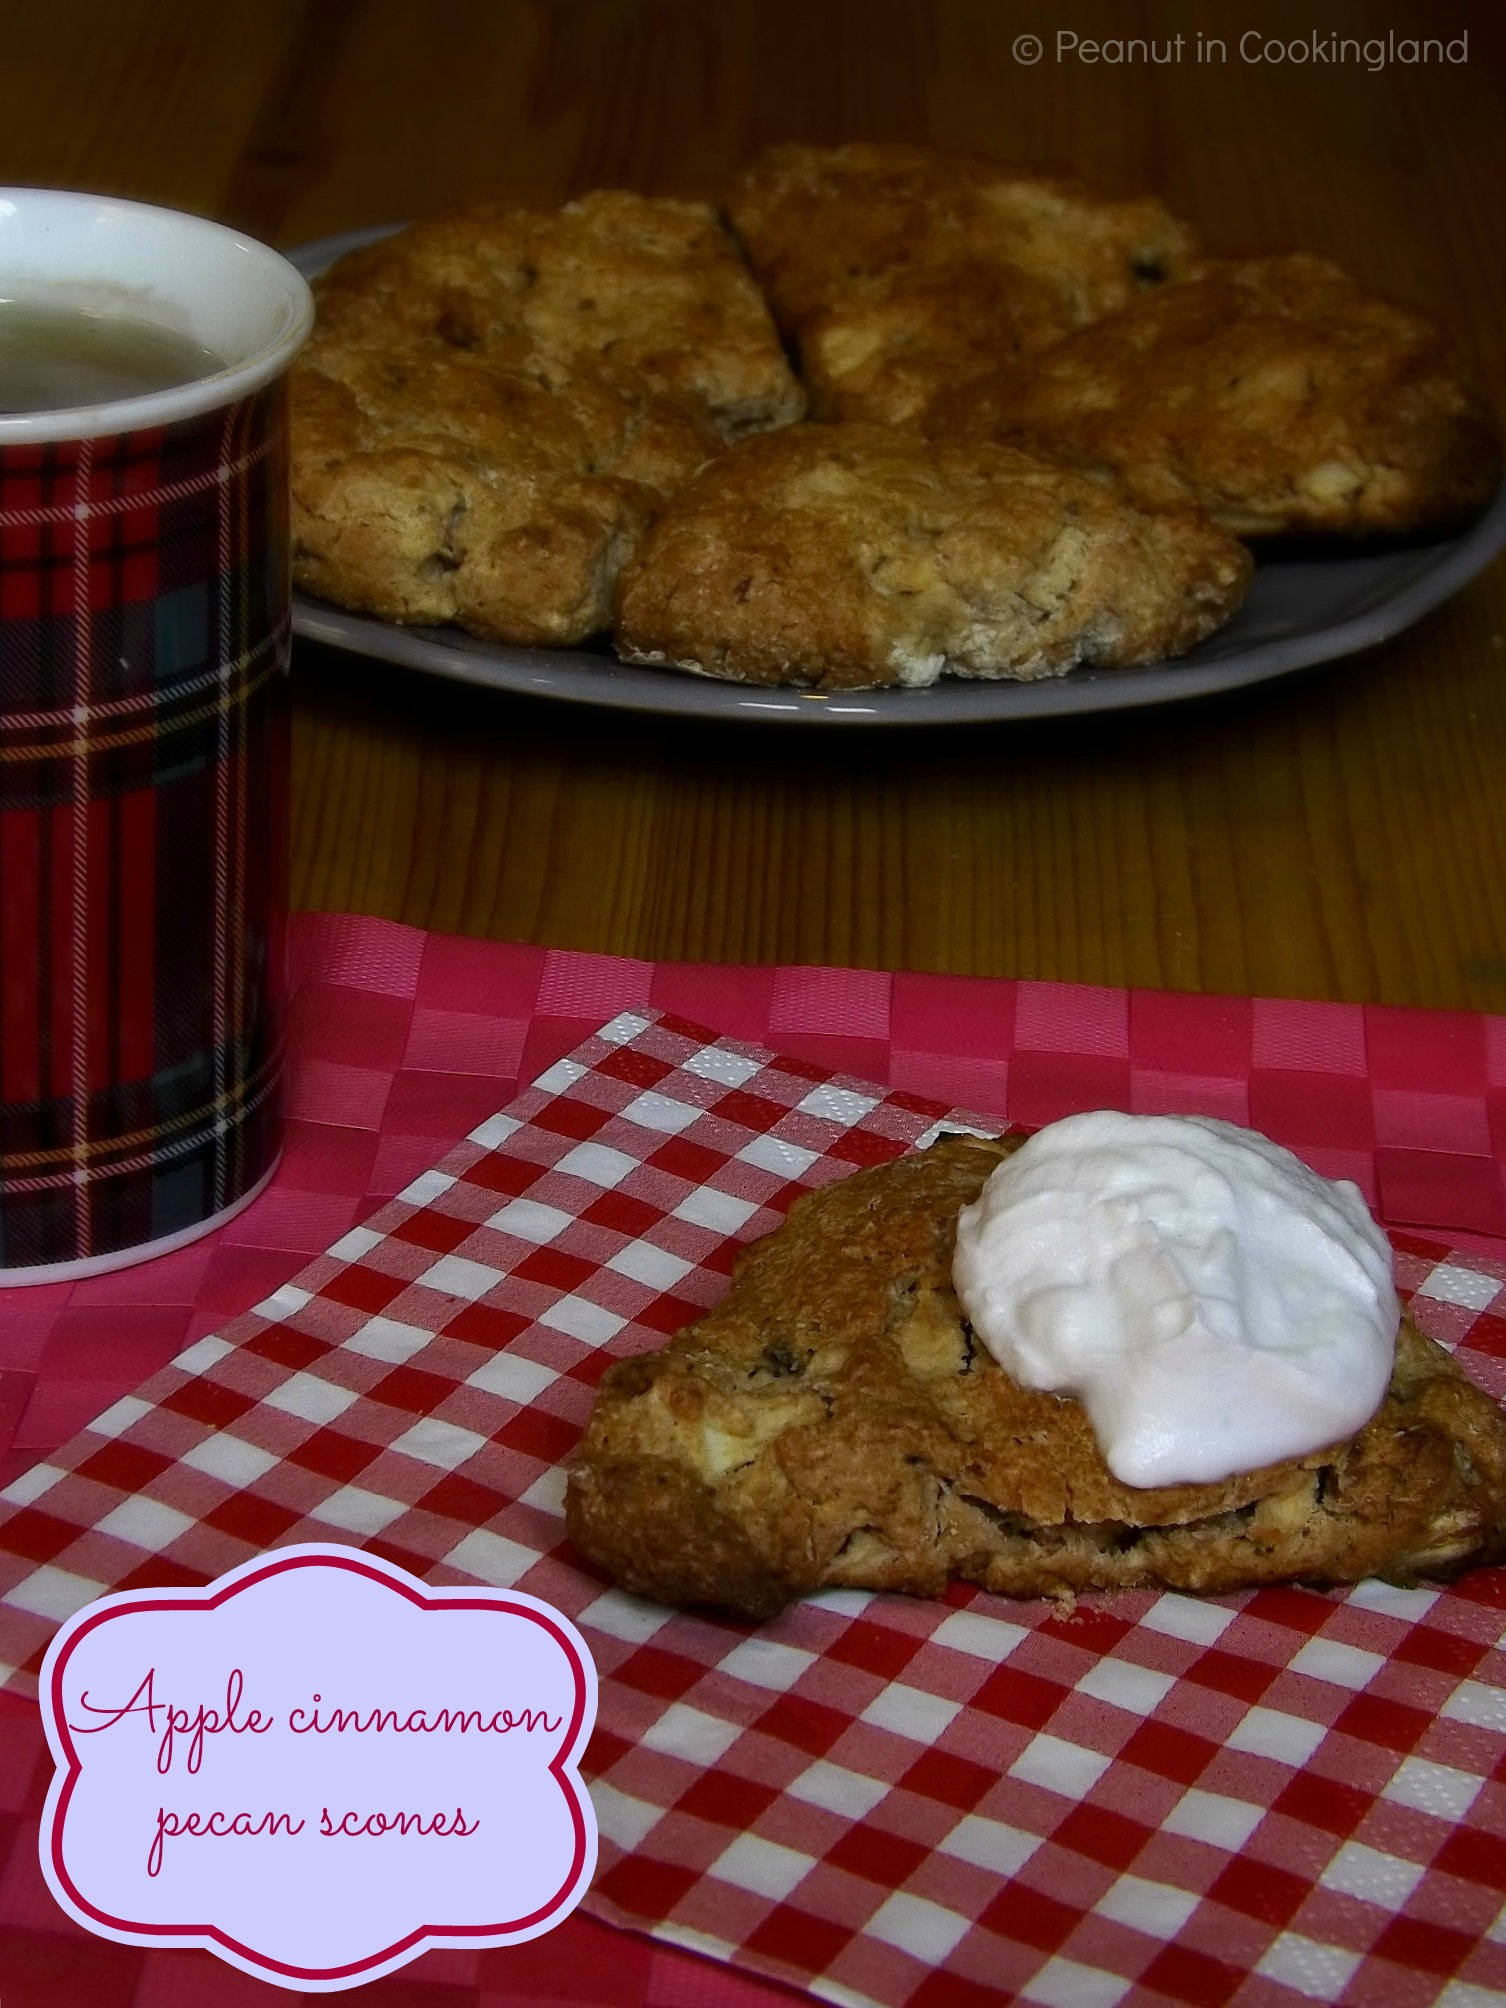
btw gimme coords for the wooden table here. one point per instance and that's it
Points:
(1339, 835)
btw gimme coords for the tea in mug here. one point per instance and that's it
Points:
(57, 358)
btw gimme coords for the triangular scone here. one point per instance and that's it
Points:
(835, 1422)
(495, 405)
(1273, 394)
(850, 557)
(899, 271)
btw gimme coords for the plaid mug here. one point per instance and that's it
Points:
(144, 721)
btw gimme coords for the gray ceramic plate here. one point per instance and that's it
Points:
(1300, 611)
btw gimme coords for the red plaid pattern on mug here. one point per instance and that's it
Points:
(143, 811)
(1271, 1798)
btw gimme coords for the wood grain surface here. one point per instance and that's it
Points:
(1342, 834)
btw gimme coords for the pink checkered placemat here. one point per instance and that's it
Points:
(1280, 1797)
(403, 1041)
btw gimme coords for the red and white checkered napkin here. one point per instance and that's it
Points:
(1280, 1797)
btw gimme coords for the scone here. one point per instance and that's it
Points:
(1272, 393)
(846, 557)
(834, 1422)
(494, 406)
(899, 271)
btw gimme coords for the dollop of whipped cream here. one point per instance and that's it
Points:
(1214, 1304)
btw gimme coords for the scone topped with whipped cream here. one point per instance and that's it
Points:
(495, 405)
(851, 556)
(838, 1420)
(1213, 1303)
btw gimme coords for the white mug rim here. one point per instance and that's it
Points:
(225, 387)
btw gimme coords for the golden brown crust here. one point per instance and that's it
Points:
(834, 1422)
(430, 487)
(494, 405)
(1272, 393)
(845, 557)
(900, 271)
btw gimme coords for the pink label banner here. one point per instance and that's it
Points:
(317, 1767)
